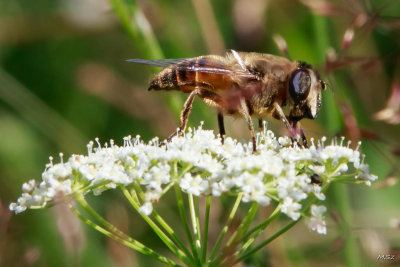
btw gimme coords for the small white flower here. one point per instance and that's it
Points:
(317, 169)
(316, 189)
(317, 222)
(193, 185)
(17, 208)
(365, 175)
(291, 208)
(60, 170)
(146, 208)
(29, 186)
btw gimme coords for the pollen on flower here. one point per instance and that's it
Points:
(199, 164)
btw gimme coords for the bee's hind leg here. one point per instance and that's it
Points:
(187, 108)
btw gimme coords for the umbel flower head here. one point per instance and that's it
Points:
(201, 165)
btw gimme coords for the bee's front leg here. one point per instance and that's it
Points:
(279, 115)
(290, 124)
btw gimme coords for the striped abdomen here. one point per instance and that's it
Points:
(207, 72)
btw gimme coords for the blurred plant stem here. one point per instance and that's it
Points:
(40, 115)
(351, 248)
(140, 31)
(138, 28)
(331, 120)
(332, 123)
(209, 28)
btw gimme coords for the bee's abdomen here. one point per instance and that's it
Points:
(165, 80)
(188, 75)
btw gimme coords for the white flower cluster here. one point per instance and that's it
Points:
(201, 165)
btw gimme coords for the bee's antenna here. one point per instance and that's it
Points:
(330, 85)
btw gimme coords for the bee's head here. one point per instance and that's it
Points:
(304, 87)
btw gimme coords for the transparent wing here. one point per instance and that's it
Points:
(196, 65)
(158, 62)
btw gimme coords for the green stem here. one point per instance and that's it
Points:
(129, 242)
(195, 224)
(264, 224)
(139, 191)
(351, 249)
(182, 213)
(172, 233)
(236, 237)
(166, 189)
(205, 234)
(162, 222)
(140, 31)
(320, 29)
(225, 229)
(83, 203)
(137, 27)
(244, 225)
(185, 170)
(258, 229)
(332, 118)
(181, 206)
(93, 187)
(266, 242)
(166, 240)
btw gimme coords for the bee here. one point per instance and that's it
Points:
(246, 84)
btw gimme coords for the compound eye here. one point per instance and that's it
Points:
(299, 85)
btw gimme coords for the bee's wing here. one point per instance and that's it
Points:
(190, 64)
(158, 62)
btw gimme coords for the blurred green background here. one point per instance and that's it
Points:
(64, 81)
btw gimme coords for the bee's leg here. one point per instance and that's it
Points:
(260, 125)
(246, 115)
(291, 126)
(221, 126)
(187, 108)
(217, 100)
(278, 114)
